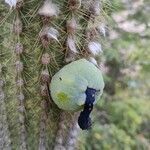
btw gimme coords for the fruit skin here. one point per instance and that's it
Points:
(68, 85)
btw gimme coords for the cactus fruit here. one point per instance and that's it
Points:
(68, 86)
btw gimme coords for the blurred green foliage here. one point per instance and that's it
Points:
(122, 117)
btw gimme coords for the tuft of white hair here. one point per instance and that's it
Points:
(70, 57)
(52, 33)
(11, 3)
(95, 48)
(102, 29)
(71, 44)
(71, 25)
(49, 9)
(95, 7)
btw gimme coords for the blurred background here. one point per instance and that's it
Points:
(122, 116)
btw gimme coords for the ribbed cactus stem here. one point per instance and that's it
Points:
(73, 132)
(17, 29)
(42, 141)
(48, 34)
(5, 142)
(38, 38)
(72, 137)
(59, 141)
(45, 80)
(94, 30)
(71, 26)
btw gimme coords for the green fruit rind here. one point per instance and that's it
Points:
(68, 85)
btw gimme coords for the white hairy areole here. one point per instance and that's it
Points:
(50, 33)
(53, 33)
(11, 3)
(49, 9)
(71, 44)
(95, 48)
(102, 29)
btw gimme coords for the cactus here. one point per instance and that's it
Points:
(37, 38)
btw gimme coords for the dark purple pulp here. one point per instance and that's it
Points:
(84, 120)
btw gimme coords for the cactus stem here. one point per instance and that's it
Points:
(5, 142)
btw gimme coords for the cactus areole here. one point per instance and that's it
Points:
(77, 86)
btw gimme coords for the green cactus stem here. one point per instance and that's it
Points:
(37, 38)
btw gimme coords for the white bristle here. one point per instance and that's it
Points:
(19, 82)
(49, 9)
(52, 33)
(102, 29)
(11, 3)
(19, 66)
(93, 60)
(70, 57)
(21, 97)
(45, 59)
(95, 7)
(71, 44)
(95, 48)
(72, 25)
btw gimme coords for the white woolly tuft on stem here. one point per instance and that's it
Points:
(49, 9)
(71, 44)
(19, 66)
(45, 60)
(71, 25)
(53, 33)
(11, 3)
(102, 29)
(70, 57)
(95, 48)
(50, 32)
(95, 7)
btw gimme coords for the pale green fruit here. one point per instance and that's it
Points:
(68, 86)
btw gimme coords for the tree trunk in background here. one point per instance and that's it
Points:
(113, 71)
(37, 38)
